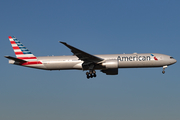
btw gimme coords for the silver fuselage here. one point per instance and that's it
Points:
(123, 61)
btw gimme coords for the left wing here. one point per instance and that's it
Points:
(86, 57)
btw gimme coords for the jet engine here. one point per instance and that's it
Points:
(110, 64)
(110, 71)
(111, 67)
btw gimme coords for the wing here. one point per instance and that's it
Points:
(86, 57)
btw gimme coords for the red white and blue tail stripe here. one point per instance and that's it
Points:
(22, 52)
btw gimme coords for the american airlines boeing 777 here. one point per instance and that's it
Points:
(81, 60)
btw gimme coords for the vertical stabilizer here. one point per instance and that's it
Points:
(20, 50)
(22, 53)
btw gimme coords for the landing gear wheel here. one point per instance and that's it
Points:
(94, 75)
(87, 73)
(163, 72)
(91, 75)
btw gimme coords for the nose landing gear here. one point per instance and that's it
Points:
(164, 67)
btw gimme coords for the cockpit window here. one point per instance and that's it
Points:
(171, 58)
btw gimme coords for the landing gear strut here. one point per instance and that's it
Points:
(92, 72)
(164, 67)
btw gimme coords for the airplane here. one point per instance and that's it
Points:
(81, 60)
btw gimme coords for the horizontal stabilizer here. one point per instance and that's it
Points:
(15, 59)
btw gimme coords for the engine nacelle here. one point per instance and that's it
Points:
(110, 71)
(110, 64)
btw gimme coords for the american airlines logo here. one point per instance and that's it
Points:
(134, 58)
(155, 58)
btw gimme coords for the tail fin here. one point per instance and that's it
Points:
(20, 50)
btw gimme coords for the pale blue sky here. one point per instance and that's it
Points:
(97, 27)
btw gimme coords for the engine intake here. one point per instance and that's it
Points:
(110, 64)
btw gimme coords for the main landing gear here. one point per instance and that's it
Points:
(164, 67)
(91, 74)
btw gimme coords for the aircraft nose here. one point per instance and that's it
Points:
(173, 61)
